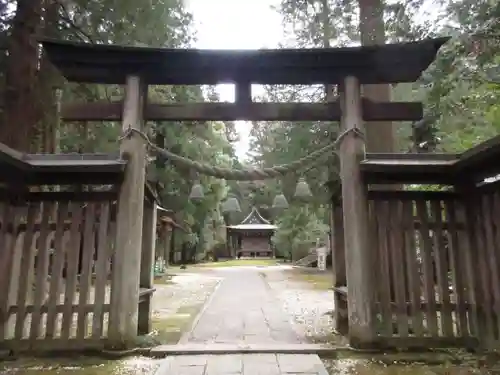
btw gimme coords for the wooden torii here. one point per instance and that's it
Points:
(350, 67)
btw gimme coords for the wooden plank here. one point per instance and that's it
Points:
(402, 157)
(127, 260)
(485, 301)
(5, 216)
(469, 263)
(111, 64)
(411, 195)
(8, 271)
(58, 261)
(27, 263)
(53, 346)
(42, 271)
(382, 210)
(101, 270)
(458, 270)
(427, 342)
(338, 264)
(16, 275)
(441, 259)
(428, 272)
(59, 308)
(372, 111)
(491, 259)
(396, 243)
(374, 241)
(86, 270)
(58, 196)
(359, 267)
(73, 255)
(495, 217)
(413, 271)
(338, 248)
(146, 279)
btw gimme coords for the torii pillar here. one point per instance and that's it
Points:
(359, 267)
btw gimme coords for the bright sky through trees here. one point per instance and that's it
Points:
(236, 24)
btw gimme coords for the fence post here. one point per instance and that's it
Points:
(147, 266)
(338, 265)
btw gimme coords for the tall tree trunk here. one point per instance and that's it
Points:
(44, 137)
(380, 136)
(20, 96)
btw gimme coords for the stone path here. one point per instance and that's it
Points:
(243, 311)
(245, 364)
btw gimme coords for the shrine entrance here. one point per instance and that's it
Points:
(344, 70)
(252, 237)
(365, 310)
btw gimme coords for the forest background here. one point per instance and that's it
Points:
(460, 92)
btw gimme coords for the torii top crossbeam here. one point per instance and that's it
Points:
(111, 64)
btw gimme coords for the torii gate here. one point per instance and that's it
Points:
(138, 67)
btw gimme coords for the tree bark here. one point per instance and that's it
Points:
(44, 134)
(21, 70)
(380, 136)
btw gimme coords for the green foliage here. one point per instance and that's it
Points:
(297, 232)
(155, 23)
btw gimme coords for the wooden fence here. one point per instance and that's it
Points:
(437, 257)
(57, 275)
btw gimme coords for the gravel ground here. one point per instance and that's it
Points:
(309, 309)
(184, 290)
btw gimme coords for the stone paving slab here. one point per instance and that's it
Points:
(192, 349)
(243, 364)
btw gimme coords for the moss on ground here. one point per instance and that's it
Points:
(80, 365)
(314, 279)
(168, 330)
(236, 263)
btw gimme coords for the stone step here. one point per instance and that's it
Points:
(195, 349)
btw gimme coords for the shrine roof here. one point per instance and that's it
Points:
(111, 64)
(473, 165)
(54, 169)
(254, 222)
(255, 227)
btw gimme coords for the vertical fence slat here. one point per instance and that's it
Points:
(27, 263)
(110, 270)
(103, 254)
(41, 272)
(466, 244)
(495, 218)
(385, 282)
(374, 240)
(491, 261)
(73, 255)
(484, 296)
(397, 251)
(86, 273)
(5, 218)
(413, 270)
(441, 259)
(428, 273)
(458, 271)
(57, 268)
(11, 260)
(7, 262)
